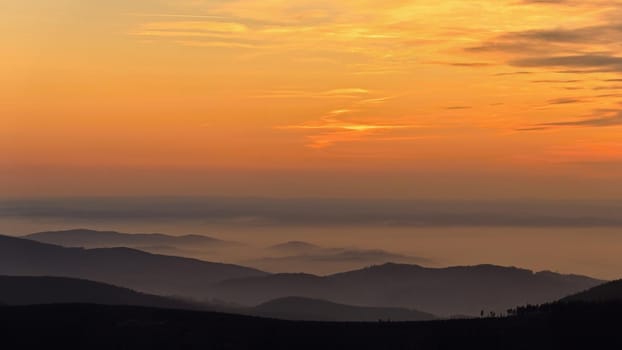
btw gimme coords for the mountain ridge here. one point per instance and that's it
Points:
(607, 292)
(95, 238)
(45, 290)
(37, 290)
(442, 291)
(128, 267)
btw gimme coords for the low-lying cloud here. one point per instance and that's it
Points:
(325, 211)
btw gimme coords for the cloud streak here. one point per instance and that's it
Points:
(333, 130)
(602, 63)
(321, 212)
(613, 119)
(349, 93)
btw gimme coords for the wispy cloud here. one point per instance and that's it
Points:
(221, 44)
(465, 64)
(331, 130)
(565, 101)
(458, 107)
(558, 81)
(602, 63)
(174, 15)
(334, 124)
(347, 91)
(350, 123)
(350, 93)
(610, 119)
(197, 27)
(601, 121)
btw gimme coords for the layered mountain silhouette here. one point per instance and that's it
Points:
(190, 246)
(607, 292)
(296, 256)
(131, 268)
(297, 308)
(31, 290)
(103, 239)
(442, 291)
(39, 290)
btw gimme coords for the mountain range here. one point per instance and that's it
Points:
(131, 268)
(102, 239)
(34, 290)
(293, 256)
(41, 290)
(448, 291)
(465, 290)
(297, 256)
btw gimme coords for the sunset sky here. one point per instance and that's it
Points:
(349, 98)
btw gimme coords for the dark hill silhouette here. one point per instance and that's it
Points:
(441, 291)
(28, 290)
(296, 308)
(35, 290)
(138, 270)
(95, 327)
(102, 239)
(611, 291)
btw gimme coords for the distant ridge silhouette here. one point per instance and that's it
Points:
(442, 291)
(91, 238)
(294, 256)
(37, 290)
(131, 268)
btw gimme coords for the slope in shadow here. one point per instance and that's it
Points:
(151, 273)
(297, 308)
(441, 291)
(112, 327)
(606, 292)
(29, 290)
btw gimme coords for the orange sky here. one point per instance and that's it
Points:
(450, 98)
